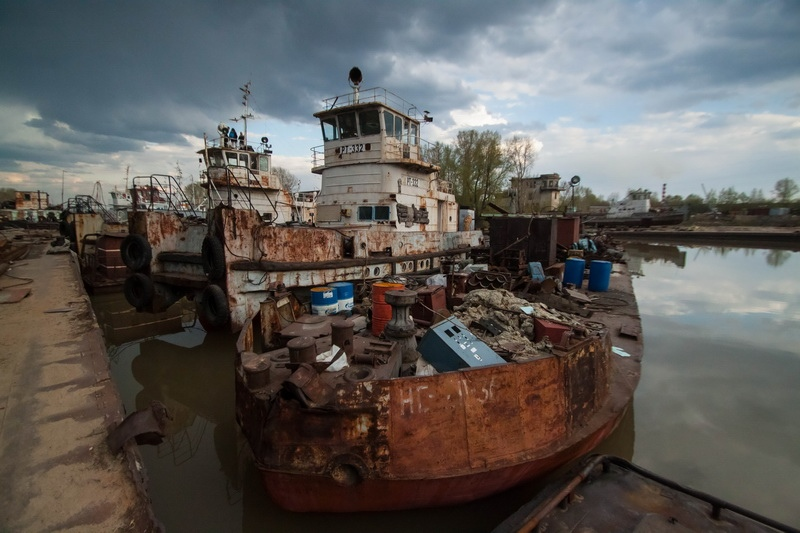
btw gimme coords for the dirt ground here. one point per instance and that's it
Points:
(57, 402)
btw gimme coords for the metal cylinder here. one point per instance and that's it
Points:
(401, 328)
(342, 335)
(256, 369)
(302, 350)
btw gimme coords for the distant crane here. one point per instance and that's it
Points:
(97, 193)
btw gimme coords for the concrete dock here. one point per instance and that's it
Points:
(57, 403)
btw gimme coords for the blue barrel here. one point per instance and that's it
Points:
(599, 275)
(344, 294)
(573, 271)
(324, 301)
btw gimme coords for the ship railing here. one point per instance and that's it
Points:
(231, 181)
(394, 151)
(85, 204)
(161, 192)
(373, 95)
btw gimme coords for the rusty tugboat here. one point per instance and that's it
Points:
(495, 379)
(381, 210)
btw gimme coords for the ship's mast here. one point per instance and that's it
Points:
(246, 103)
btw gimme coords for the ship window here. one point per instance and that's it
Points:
(329, 130)
(394, 125)
(370, 122)
(243, 160)
(347, 125)
(388, 121)
(414, 138)
(373, 212)
(263, 163)
(232, 159)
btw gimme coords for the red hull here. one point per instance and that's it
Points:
(301, 493)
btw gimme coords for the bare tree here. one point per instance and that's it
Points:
(785, 189)
(288, 180)
(520, 157)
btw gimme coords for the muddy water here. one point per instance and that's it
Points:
(717, 409)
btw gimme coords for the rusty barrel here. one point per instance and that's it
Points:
(381, 311)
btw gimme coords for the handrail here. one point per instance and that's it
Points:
(231, 179)
(373, 95)
(83, 203)
(154, 188)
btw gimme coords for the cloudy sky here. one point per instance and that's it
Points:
(625, 94)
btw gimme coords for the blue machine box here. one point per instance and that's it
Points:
(449, 345)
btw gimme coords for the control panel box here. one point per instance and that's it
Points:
(449, 345)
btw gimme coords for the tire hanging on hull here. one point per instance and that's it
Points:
(213, 257)
(213, 307)
(139, 291)
(136, 252)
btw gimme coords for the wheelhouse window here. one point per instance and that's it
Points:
(369, 122)
(329, 130)
(413, 137)
(232, 159)
(394, 125)
(263, 163)
(347, 125)
(373, 212)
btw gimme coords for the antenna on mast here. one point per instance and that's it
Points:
(247, 114)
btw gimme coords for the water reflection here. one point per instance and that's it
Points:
(203, 478)
(717, 404)
(716, 408)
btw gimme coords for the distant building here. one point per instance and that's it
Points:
(535, 195)
(32, 200)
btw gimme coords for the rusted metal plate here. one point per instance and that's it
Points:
(610, 494)
(428, 426)
(494, 424)
(543, 415)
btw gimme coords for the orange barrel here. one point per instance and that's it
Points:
(381, 311)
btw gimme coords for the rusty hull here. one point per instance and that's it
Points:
(611, 494)
(379, 444)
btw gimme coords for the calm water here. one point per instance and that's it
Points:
(718, 407)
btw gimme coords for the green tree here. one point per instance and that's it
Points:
(785, 189)
(673, 200)
(584, 198)
(481, 168)
(695, 204)
(730, 196)
(756, 195)
(7, 194)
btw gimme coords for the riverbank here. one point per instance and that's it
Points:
(57, 403)
(784, 238)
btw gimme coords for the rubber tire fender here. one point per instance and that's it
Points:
(136, 252)
(213, 256)
(139, 291)
(214, 306)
